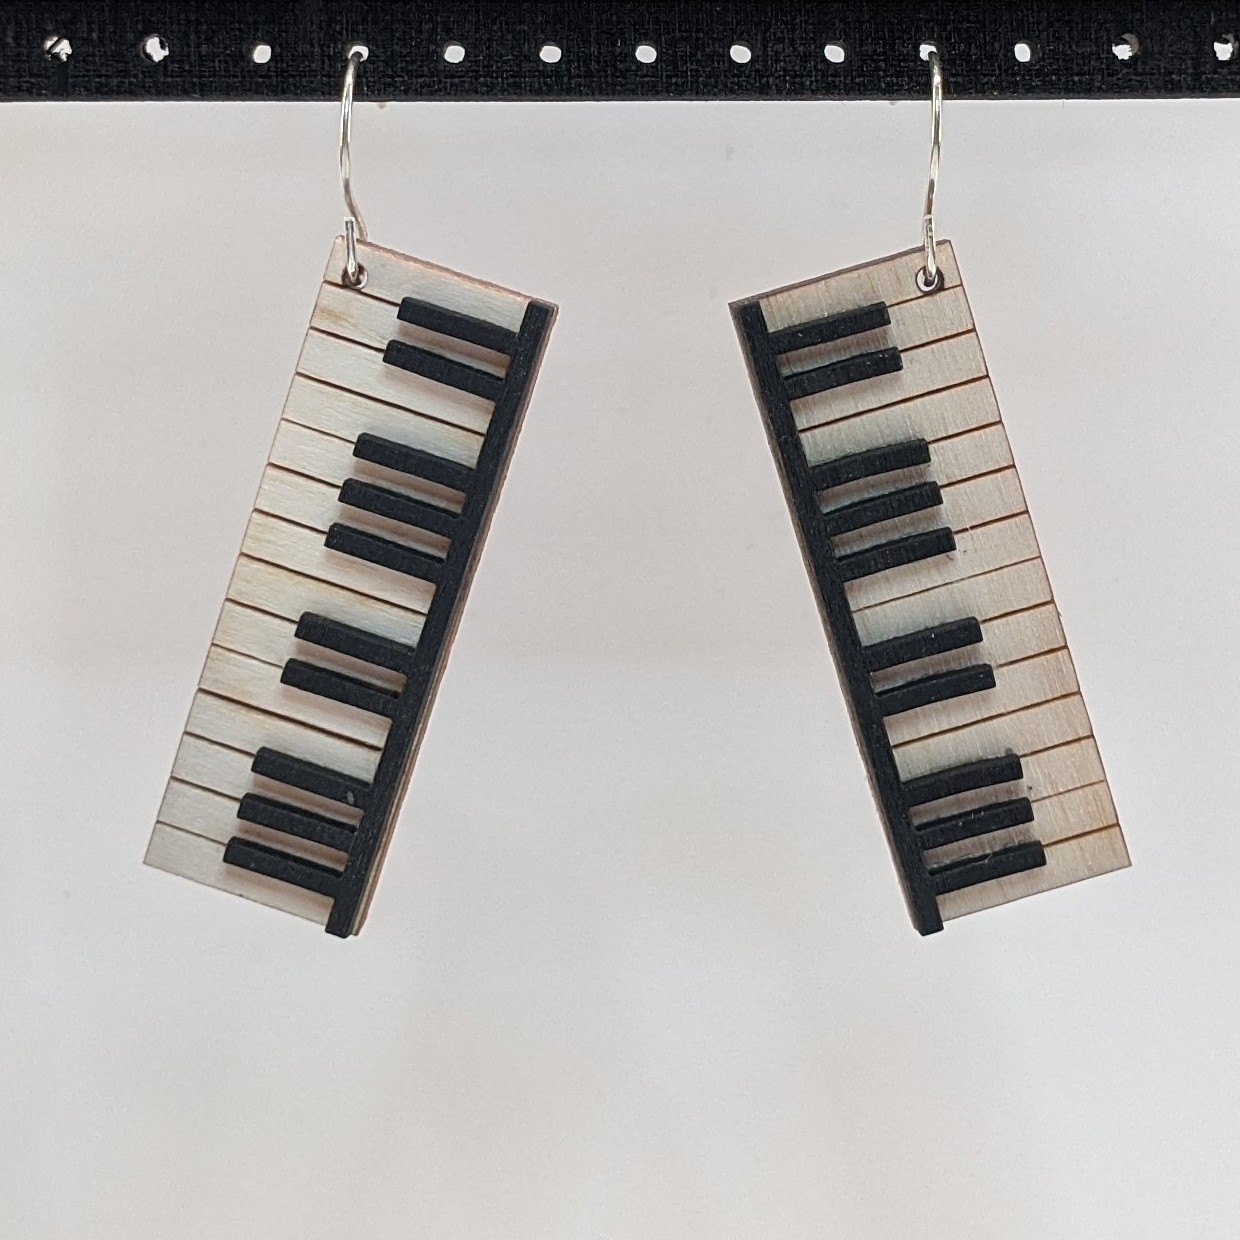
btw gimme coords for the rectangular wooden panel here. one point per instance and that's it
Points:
(912, 520)
(356, 562)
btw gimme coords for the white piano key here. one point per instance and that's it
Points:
(913, 323)
(1022, 635)
(1007, 640)
(227, 772)
(1062, 768)
(347, 416)
(242, 727)
(195, 809)
(1070, 861)
(310, 452)
(392, 277)
(357, 368)
(356, 316)
(256, 633)
(967, 456)
(273, 640)
(214, 767)
(331, 460)
(247, 680)
(985, 596)
(309, 502)
(306, 501)
(289, 595)
(292, 546)
(214, 817)
(1017, 686)
(980, 550)
(1025, 732)
(930, 368)
(893, 280)
(1046, 774)
(974, 502)
(202, 860)
(1057, 818)
(931, 417)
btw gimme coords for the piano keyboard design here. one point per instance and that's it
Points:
(913, 525)
(395, 438)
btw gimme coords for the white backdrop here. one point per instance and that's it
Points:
(638, 966)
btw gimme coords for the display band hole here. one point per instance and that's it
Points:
(647, 53)
(155, 48)
(1126, 47)
(260, 53)
(454, 53)
(925, 49)
(550, 53)
(741, 53)
(836, 53)
(1225, 47)
(57, 47)
(1025, 52)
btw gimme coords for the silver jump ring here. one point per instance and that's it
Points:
(930, 277)
(354, 274)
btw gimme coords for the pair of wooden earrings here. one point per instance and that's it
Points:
(372, 511)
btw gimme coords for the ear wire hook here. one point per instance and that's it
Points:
(354, 274)
(930, 277)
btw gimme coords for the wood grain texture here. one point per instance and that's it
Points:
(277, 682)
(930, 713)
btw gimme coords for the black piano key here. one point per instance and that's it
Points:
(938, 639)
(840, 374)
(384, 502)
(338, 687)
(384, 552)
(902, 503)
(836, 327)
(357, 643)
(941, 687)
(974, 822)
(954, 780)
(459, 326)
(311, 777)
(259, 859)
(413, 461)
(894, 554)
(974, 870)
(292, 820)
(464, 378)
(858, 465)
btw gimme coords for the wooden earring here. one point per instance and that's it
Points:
(912, 521)
(387, 463)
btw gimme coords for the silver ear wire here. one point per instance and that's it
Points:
(354, 274)
(930, 277)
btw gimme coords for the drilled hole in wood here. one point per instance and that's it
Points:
(1126, 47)
(647, 53)
(454, 53)
(155, 48)
(550, 53)
(260, 53)
(1225, 47)
(741, 53)
(836, 53)
(1025, 52)
(57, 47)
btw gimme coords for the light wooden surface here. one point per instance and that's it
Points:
(341, 390)
(943, 394)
